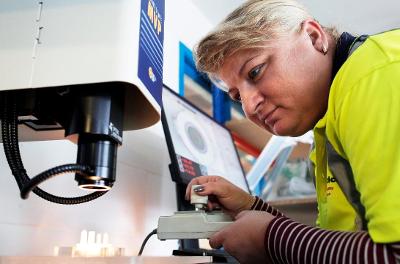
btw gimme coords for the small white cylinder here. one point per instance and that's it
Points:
(98, 239)
(91, 237)
(83, 237)
(197, 200)
(105, 239)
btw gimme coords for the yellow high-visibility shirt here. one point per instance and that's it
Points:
(362, 123)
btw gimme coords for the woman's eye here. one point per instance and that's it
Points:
(235, 96)
(255, 72)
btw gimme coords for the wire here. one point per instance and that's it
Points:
(9, 133)
(145, 241)
(38, 179)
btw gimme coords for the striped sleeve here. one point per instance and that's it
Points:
(260, 205)
(287, 241)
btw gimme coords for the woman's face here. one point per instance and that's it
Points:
(283, 87)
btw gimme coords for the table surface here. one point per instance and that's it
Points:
(105, 260)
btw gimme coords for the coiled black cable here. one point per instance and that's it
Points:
(41, 177)
(6, 128)
(9, 126)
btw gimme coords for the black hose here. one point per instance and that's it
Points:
(12, 152)
(5, 128)
(41, 177)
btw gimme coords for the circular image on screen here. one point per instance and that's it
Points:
(194, 137)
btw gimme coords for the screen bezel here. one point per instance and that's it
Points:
(175, 173)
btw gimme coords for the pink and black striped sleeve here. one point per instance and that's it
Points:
(287, 241)
(260, 205)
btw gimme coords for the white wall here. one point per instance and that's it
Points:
(355, 16)
(143, 189)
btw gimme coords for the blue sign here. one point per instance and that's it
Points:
(151, 46)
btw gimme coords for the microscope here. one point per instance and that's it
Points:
(81, 70)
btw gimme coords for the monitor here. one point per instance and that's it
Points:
(197, 144)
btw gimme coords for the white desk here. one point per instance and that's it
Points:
(107, 260)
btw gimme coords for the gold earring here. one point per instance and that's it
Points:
(324, 50)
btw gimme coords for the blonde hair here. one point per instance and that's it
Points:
(250, 26)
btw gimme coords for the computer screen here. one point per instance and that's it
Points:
(197, 144)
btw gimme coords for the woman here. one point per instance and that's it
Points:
(293, 75)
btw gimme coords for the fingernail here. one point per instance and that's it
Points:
(198, 189)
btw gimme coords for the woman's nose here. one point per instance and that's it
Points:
(251, 102)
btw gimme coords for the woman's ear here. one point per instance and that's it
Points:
(317, 35)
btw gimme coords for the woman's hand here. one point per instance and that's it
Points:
(222, 194)
(244, 238)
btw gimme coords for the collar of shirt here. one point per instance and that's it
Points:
(343, 46)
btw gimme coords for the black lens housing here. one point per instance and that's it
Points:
(97, 123)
